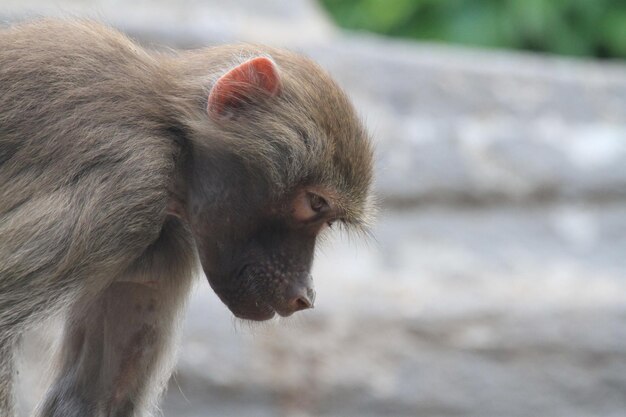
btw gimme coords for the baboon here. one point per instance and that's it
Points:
(121, 168)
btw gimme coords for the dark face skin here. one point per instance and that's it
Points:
(255, 250)
(267, 273)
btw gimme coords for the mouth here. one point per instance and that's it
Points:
(254, 301)
(259, 315)
(262, 314)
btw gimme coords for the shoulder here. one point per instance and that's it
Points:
(67, 41)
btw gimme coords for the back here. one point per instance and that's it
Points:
(79, 149)
(61, 85)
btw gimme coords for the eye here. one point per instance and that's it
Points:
(310, 207)
(318, 204)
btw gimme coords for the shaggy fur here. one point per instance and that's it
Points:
(99, 138)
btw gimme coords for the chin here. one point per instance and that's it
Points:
(259, 315)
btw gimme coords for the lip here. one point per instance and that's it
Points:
(270, 313)
(284, 313)
(262, 316)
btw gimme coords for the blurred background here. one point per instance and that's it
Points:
(495, 284)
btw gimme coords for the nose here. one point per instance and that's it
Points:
(302, 299)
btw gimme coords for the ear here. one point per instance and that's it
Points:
(240, 85)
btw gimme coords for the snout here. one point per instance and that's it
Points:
(297, 297)
(258, 293)
(303, 298)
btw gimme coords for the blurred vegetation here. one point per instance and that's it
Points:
(569, 27)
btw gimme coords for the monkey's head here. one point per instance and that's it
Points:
(278, 157)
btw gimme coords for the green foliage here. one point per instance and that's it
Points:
(569, 27)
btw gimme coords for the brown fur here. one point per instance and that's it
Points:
(100, 142)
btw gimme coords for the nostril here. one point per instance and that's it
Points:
(297, 297)
(303, 303)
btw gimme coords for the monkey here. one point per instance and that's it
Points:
(124, 170)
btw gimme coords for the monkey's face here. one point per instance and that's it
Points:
(262, 267)
(284, 157)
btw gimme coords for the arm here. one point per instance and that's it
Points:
(116, 347)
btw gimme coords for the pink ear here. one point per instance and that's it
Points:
(241, 84)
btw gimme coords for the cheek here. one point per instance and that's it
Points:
(272, 275)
